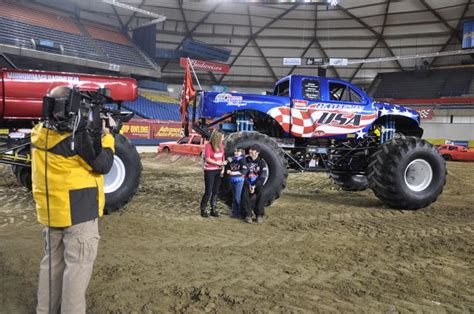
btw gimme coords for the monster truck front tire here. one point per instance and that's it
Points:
(272, 155)
(407, 173)
(350, 182)
(120, 184)
(122, 181)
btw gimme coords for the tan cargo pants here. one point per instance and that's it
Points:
(73, 251)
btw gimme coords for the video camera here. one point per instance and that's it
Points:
(80, 110)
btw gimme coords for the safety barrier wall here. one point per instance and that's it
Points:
(151, 131)
(451, 131)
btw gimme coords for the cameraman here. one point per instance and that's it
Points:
(68, 183)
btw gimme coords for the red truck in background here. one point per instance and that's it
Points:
(22, 91)
(21, 100)
(187, 145)
(455, 152)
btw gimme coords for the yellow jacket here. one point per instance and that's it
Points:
(75, 191)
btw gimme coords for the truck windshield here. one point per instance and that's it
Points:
(342, 92)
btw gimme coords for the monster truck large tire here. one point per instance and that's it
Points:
(350, 182)
(122, 181)
(120, 184)
(23, 175)
(407, 173)
(270, 153)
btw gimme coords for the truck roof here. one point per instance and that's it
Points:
(288, 77)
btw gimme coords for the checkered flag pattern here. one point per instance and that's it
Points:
(304, 122)
(425, 114)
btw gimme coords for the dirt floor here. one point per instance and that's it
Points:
(319, 250)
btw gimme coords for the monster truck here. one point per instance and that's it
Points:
(323, 124)
(21, 97)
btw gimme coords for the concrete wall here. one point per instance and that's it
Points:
(450, 131)
(453, 124)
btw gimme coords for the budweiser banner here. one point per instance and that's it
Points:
(205, 65)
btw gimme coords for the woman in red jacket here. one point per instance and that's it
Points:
(213, 170)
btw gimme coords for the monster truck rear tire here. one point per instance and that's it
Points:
(407, 173)
(23, 175)
(123, 180)
(350, 182)
(270, 153)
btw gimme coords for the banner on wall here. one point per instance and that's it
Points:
(148, 129)
(205, 65)
(468, 35)
(425, 113)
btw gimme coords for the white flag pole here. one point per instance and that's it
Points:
(192, 68)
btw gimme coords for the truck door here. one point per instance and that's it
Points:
(344, 109)
(306, 95)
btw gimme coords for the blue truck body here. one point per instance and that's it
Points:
(308, 108)
(312, 123)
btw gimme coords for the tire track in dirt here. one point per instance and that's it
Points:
(396, 224)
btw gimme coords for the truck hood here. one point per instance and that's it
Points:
(218, 104)
(385, 109)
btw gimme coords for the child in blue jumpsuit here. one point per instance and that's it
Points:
(237, 170)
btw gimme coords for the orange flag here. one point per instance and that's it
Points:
(187, 94)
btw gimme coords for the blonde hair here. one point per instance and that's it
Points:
(216, 139)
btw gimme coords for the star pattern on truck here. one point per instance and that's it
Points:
(360, 134)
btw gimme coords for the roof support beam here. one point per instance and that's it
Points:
(439, 17)
(376, 42)
(316, 42)
(134, 14)
(211, 75)
(265, 60)
(190, 32)
(468, 3)
(370, 29)
(252, 36)
(119, 19)
(312, 40)
(269, 67)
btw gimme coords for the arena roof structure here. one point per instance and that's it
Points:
(259, 36)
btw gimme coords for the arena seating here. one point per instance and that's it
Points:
(45, 19)
(149, 109)
(160, 98)
(457, 84)
(116, 45)
(423, 84)
(17, 33)
(20, 23)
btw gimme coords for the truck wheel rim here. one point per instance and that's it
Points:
(267, 169)
(418, 175)
(116, 176)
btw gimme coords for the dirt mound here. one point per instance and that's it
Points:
(319, 249)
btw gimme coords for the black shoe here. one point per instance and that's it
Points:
(214, 211)
(204, 213)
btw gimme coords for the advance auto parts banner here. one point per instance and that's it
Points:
(151, 129)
